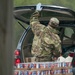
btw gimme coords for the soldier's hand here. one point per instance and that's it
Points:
(38, 7)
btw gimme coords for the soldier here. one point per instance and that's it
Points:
(46, 42)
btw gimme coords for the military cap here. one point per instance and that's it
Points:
(54, 21)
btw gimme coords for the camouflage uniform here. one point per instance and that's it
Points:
(46, 41)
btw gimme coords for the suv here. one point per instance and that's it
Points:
(66, 27)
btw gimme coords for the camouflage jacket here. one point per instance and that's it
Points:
(45, 37)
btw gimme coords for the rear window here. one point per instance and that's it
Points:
(46, 15)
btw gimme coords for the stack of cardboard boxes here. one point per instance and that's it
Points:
(44, 68)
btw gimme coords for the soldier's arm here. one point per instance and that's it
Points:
(34, 18)
(59, 48)
(35, 24)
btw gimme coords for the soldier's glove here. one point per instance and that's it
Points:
(38, 7)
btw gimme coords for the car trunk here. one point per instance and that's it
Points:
(65, 16)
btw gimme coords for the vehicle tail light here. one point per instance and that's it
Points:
(17, 52)
(17, 61)
(17, 57)
(71, 54)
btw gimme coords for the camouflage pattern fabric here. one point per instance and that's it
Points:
(46, 42)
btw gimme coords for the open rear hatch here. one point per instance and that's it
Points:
(65, 15)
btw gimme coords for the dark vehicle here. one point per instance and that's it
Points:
(66, 29)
